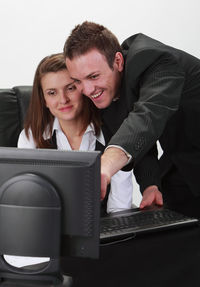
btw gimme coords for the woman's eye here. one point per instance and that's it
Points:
(71, 88)
(51, 93)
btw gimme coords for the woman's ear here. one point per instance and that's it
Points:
(119, 61)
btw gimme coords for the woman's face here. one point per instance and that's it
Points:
(61, 96)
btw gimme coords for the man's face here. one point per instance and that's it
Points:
(94, 78)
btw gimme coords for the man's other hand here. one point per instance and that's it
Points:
(151, 196)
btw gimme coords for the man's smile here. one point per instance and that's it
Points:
(95, 96)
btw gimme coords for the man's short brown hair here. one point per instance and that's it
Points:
(88, 36)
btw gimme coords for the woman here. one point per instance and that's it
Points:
(60, 117)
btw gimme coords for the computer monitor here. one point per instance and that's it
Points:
(75, 175)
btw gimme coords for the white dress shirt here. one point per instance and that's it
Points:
(121, 188)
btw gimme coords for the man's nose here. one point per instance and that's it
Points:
(88, 88)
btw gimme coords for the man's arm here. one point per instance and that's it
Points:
(159, 92)
(159, 95)
(112, 160)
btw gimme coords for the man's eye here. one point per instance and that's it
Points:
(94, 76)
(77, 82)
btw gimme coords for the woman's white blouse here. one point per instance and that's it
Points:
(121, 188)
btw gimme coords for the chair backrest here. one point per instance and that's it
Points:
(13, 106)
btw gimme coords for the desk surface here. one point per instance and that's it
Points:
(162, 259)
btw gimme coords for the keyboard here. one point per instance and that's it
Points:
(128, 223)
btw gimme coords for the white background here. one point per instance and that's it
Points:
(32, 29)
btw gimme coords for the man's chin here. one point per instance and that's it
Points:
(101, 105)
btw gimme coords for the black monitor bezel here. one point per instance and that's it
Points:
(75, 241)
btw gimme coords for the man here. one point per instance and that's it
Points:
(146, 91)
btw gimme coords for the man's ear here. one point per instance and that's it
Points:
(119, 61)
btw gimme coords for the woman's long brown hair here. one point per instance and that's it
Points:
(38, 118)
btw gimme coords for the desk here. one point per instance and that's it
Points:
(162, 259)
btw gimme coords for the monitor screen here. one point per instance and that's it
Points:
(75, 175)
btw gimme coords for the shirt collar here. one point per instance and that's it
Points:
(90, 129)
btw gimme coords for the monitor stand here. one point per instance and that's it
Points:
(33, 276)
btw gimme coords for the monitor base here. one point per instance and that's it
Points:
(67, 282)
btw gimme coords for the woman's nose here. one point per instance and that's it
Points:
(64, 98)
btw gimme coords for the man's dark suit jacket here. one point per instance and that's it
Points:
(159, 100)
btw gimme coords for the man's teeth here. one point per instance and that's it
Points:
(96, 95)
